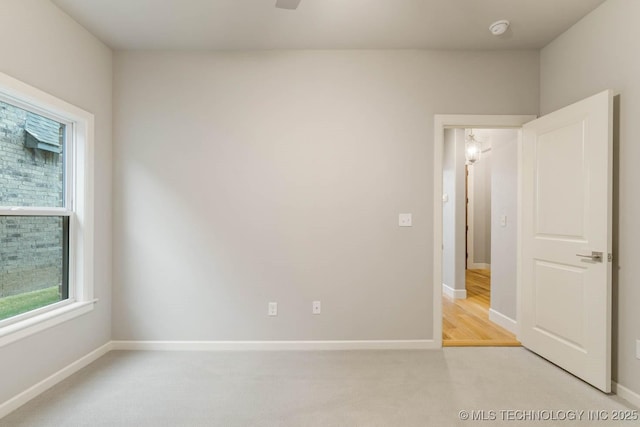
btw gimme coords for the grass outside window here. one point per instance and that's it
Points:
(22, 303)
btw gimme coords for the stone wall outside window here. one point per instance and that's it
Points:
(30, 247)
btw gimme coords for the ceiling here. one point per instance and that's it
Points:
(325, 24)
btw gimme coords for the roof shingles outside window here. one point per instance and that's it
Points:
(43, 134)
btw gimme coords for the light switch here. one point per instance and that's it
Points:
(503, 221)
(445, 198)
(273, 309)
(404, 220)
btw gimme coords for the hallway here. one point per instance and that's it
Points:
(466, 321)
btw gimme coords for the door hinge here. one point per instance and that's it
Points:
(610, 257)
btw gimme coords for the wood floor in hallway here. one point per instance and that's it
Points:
(466, 321)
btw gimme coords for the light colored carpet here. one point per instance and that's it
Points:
(350, 388)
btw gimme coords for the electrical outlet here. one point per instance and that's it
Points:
(404, 220)
(637, 349)
(316, 307)
(273, 309)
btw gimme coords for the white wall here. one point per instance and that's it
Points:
(601, 52)
(45, 48)
(453, 211)
(248, 177)
(449, 208)
(504, 238)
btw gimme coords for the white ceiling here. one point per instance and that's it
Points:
(325, 24)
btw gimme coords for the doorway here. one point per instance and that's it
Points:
(479, 228)
(457, 123)
(564, 238)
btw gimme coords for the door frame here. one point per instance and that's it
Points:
(471, 264)
(442, 122)
(469, 215)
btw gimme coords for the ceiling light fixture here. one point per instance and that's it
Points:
(498, 28)
(472, 149)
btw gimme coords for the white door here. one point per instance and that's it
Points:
(565, 300)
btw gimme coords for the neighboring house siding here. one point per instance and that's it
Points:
(30, 247)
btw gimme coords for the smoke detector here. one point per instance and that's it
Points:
(498, 28)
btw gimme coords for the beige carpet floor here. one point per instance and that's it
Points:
(334, 388)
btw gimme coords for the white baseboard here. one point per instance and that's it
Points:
(506, 322)
(479, 266)
(274, 345)
(44, 385)
(626, 394)
(454, 293)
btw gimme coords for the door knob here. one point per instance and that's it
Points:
(595, 256)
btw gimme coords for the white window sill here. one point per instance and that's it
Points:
(35, 324)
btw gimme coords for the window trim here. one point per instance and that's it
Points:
(79, 206)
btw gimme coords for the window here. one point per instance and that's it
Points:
(46, 203)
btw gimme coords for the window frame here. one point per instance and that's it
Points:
(77, 206)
